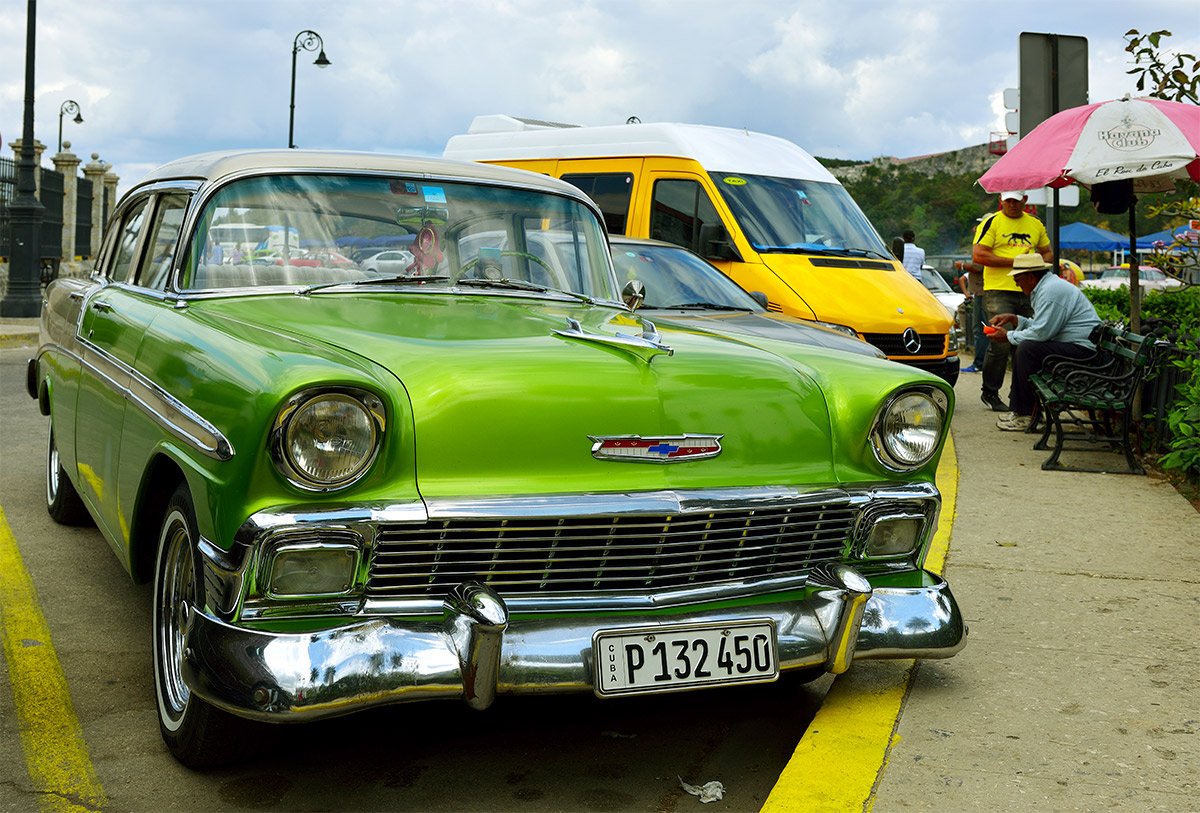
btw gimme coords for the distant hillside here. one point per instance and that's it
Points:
(938, 198)
(975, 160)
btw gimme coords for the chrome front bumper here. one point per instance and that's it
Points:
(476, 651)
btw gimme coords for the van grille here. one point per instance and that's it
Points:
(570, 556)
(932, 344)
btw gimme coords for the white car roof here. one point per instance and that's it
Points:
(717, 149)
(213, 166)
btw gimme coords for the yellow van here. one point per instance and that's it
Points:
(758, 207)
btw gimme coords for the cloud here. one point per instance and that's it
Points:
(848, 79)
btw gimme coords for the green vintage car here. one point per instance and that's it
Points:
(482, 474)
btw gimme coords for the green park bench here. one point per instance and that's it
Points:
(1088, 402)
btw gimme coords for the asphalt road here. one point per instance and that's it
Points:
(529, 754)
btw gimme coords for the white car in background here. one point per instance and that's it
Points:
(392, 261)
(1149, 279)
(941, 290)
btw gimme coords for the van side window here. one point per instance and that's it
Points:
(611, 191)
(680, 213)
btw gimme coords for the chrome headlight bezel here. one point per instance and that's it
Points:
(884, 439)
(282, 435)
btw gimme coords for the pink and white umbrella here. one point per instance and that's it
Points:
(1150, 141)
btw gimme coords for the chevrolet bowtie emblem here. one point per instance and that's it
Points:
(666, 449)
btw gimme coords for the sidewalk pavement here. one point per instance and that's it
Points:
(15, 332)
(1078, 686)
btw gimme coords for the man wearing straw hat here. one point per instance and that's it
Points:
(1063, 320)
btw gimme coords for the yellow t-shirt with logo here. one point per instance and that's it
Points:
(1009, 237)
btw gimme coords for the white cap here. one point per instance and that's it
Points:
(1012, 195)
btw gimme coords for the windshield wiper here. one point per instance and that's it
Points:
(400, 279)
(809, 248)
(866, 252)
(797, 248)
(520, 285)
(695, 306)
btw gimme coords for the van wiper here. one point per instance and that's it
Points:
(400, 279)
(810, 248)
(796, 248)
(865, 252)
(520, 285)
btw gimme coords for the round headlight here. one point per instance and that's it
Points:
(330, 439)
(909, 429)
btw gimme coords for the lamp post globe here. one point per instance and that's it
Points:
(68, 107)
(305, 41)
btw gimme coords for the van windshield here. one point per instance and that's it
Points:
(802, 217)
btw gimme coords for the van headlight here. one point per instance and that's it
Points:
(324, 440)
(909, 428)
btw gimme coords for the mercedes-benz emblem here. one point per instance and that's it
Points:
(912, 341)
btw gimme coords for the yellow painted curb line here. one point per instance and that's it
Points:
(845, 749)
(56, 755)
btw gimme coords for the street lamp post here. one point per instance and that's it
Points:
(24, 296)
(68, 107)
(305, 41)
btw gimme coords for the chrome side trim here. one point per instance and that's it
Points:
(171, 413)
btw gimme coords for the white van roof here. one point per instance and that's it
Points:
(718, 149)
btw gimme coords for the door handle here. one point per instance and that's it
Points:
(103, 307)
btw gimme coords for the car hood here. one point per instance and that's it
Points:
(495, 401)
(840, 289)
(748, 324)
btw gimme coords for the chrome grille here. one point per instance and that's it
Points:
(567, 556)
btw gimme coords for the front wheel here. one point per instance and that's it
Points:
(198, 734)
(63, 502)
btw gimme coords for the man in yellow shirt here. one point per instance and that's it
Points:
(999, 238)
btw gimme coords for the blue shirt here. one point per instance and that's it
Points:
(1061, 313)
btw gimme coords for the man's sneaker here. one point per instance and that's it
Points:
(994, 401)
(971, 369)
(1012, 422)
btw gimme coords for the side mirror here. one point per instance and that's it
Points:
(634, 294)
(760, 298)
(715, 243)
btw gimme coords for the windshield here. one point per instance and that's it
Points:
(320, 232)
(934, 282)
(1145, 273)
(675, 277)
(787, 214)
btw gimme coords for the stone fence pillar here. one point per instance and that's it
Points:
(38, 149)
(68, 163)
(94, 172)
(110, 185)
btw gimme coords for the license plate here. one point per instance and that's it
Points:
(668, 658)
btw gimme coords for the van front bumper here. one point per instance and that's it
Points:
(475, 651)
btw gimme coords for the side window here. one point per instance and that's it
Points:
(164, 235)
(680, 212)
(127, 243)
(611, 191)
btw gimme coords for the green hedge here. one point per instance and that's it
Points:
(1181, 309)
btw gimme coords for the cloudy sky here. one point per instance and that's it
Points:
(157, 79)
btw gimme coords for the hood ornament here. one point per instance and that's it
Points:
(662, 449)
(646, 346)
